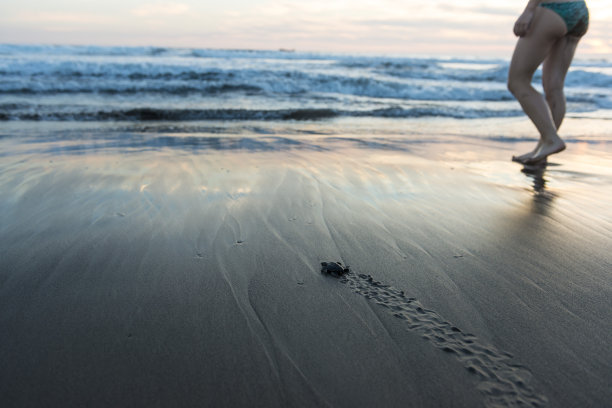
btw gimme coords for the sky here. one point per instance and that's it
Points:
(400, 27)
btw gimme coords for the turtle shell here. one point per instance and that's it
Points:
(334, 268)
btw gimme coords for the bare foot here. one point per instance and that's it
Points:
(546, 149)
(527, 156)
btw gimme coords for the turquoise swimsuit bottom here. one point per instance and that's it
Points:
(574, 13)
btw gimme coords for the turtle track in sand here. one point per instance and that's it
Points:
(502, 382)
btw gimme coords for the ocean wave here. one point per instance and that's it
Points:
(132, 90)
(82, 50)
(268, 82)
(581, 78)
(130, 70)
(130, 80)
(153, 51)
(180, 115)
(138, 83)
(111, 72)
(42, 71)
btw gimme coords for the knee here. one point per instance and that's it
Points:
(512, 86)
(553, 89)
(517, 86)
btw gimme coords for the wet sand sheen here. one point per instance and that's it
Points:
(140, 278)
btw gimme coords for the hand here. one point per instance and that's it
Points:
(522, 24)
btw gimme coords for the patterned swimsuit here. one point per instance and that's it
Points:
(574, 13)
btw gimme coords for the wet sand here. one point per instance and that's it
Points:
(161, 269)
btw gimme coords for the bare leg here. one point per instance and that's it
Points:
(530, 52)
(554, 71)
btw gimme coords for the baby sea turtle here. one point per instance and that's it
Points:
(334, 268)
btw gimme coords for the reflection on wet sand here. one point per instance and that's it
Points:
(71, 142)
(542, 198)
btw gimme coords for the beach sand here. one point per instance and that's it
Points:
(160, 269)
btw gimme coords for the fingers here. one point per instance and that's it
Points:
(520, 29)
(522, 24)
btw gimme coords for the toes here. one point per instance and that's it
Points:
(520, 159)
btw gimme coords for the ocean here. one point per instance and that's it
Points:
(188, 86)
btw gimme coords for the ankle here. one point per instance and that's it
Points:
(551, 140)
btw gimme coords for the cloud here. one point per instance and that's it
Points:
(161, 9)
(504, 10)
(61, 18)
